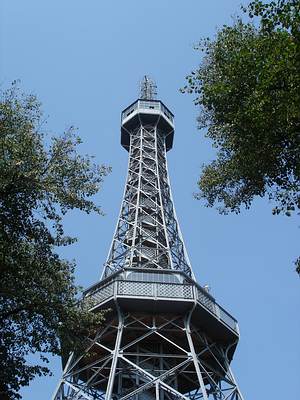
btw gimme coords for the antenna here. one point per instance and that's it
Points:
(148, 89)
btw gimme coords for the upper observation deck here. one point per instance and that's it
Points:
(147, 112)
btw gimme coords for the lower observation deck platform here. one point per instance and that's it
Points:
(161, 291)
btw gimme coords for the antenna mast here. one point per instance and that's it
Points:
(148, 89)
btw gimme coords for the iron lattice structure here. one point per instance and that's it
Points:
(165, 337)
(147, 233)
(148, 89)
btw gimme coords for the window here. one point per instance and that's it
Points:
(158, 277)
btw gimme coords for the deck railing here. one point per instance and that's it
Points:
(147, 105)
(178, 291)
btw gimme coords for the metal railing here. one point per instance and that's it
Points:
(147, 105)
(179, 291)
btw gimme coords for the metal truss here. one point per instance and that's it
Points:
(147, 233)
(148, 349)
(143, 357)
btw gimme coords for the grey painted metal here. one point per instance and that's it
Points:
(147, 233)
(194, 355)
(148, 88)
(116, 351)
(165, 337)
(148, 357)
(122, 285)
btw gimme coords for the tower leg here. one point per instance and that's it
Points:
(194, 355)
(140, 356)
(116, 350)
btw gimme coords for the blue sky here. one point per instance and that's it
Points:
(84, 60)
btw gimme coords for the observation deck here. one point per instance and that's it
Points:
(147, 112)
(164, 291)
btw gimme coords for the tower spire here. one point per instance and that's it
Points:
(148, 89)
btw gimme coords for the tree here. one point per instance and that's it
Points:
(39, 184)
(248, 90)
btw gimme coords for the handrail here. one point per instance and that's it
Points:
(184, 291)
(154, 105)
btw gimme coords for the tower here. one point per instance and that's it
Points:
(165, 337)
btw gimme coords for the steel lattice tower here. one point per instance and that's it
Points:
(165, 337)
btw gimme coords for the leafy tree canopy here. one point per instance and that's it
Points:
(248, 89)
(39, 184)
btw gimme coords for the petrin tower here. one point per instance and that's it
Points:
(165, 337)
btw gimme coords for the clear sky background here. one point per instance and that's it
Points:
(84, 60)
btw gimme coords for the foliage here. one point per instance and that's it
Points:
(248, 90)
(39, 184)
